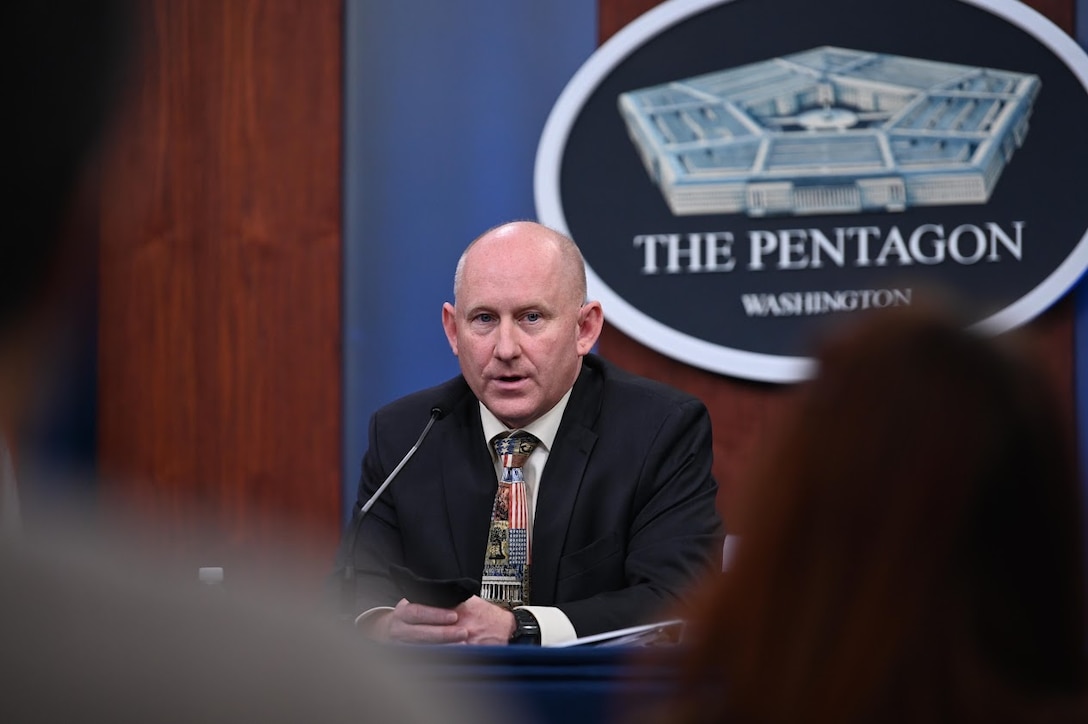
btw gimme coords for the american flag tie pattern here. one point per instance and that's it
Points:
(506, 577)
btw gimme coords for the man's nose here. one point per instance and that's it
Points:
(507, 345)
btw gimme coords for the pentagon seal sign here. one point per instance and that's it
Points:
(741, 175)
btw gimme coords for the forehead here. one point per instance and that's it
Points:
(515, 244)
(514, 271)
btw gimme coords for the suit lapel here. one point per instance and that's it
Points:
(562, 479)
(468, 482)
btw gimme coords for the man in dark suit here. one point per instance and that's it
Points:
(619, 488)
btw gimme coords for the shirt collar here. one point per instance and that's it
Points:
(544, 428)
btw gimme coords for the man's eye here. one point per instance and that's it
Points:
(485, 318)
(533, 317)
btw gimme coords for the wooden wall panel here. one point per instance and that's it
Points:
(742, 411)
(219, 308)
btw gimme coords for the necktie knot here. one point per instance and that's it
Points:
(514, 449)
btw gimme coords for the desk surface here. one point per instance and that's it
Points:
(567, 686)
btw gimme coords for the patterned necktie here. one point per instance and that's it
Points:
(506, 564)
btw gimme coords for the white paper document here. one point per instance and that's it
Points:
(651, 633)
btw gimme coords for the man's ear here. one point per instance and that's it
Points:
(449, 323)
(590, 323)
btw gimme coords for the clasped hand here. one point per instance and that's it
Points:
(474, 621)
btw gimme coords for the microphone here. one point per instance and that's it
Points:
(437, 413)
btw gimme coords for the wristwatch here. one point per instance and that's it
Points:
(526, 628)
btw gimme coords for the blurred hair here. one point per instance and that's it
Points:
(910, 545)
(68, 59)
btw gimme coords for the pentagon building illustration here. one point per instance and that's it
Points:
(830, 130)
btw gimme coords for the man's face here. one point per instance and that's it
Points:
(519, 328)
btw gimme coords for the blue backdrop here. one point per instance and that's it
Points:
(445, 103)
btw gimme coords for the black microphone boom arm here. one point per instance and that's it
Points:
(349, 568)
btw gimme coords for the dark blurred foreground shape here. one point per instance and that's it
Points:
(66, 64)
(910, 546)
(96, 624)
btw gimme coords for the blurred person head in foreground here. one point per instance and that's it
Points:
(68, 64)
(92, 626)
(69, 61)
(910, 545)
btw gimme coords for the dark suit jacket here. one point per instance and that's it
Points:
(626, 518)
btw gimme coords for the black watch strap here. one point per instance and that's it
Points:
(526, 628)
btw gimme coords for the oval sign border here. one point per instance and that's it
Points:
(727, 360)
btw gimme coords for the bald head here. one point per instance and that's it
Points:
(529, 233)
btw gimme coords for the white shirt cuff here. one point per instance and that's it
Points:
(555, 627)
